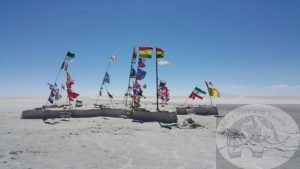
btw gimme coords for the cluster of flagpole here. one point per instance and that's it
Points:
(134, 76)
(69, 56)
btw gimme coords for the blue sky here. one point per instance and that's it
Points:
(244, 47)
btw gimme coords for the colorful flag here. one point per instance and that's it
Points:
(72, 95)
(106, 78)
(137, 86)
(146, 52)
(113, 57)
(196, 93)
(134, 56)
(160, 53)
(69, 84)
(78, 103)
(68, 76)
(141, 63)
(211, 89)
(140, 74)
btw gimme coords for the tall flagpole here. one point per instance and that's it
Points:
(135, 82)
(157, 108)
(128, 89)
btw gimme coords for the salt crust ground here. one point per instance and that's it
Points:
(103, 142)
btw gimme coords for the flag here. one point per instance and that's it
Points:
(50, 100)
(69, 84)
(110, 95)
(196, 93)
(63, 87)
(141, 63)
(140, 74)
(70, 56)
(78, 103)
(72, 95)
(106, 78)
(146, 52)
(137, 86)
(132, 72)
(211, 89)
(66, 66)
(113, 57)
(160, 53)
(68, 76)
(62, 65)
(133, 60)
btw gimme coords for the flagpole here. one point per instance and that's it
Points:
(157, 108)
(208, 93)
(56, 79)
(108, 96)
(132, 103)
(126, 94)
(186, 99)
(103, 80)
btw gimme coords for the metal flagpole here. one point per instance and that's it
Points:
(135, 82)
(157, 108)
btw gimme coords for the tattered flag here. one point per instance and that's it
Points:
(110, 95)
(106, 78)
(142, 63)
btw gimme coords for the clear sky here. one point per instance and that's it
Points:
(245, 47)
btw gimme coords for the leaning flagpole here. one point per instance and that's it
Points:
(57, 77)
(103, 80)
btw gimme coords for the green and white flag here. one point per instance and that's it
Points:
(78, 103)
(196, 93)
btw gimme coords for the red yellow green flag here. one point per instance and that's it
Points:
(146, 52)
(160, 53)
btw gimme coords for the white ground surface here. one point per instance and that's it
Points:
(104, 142)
